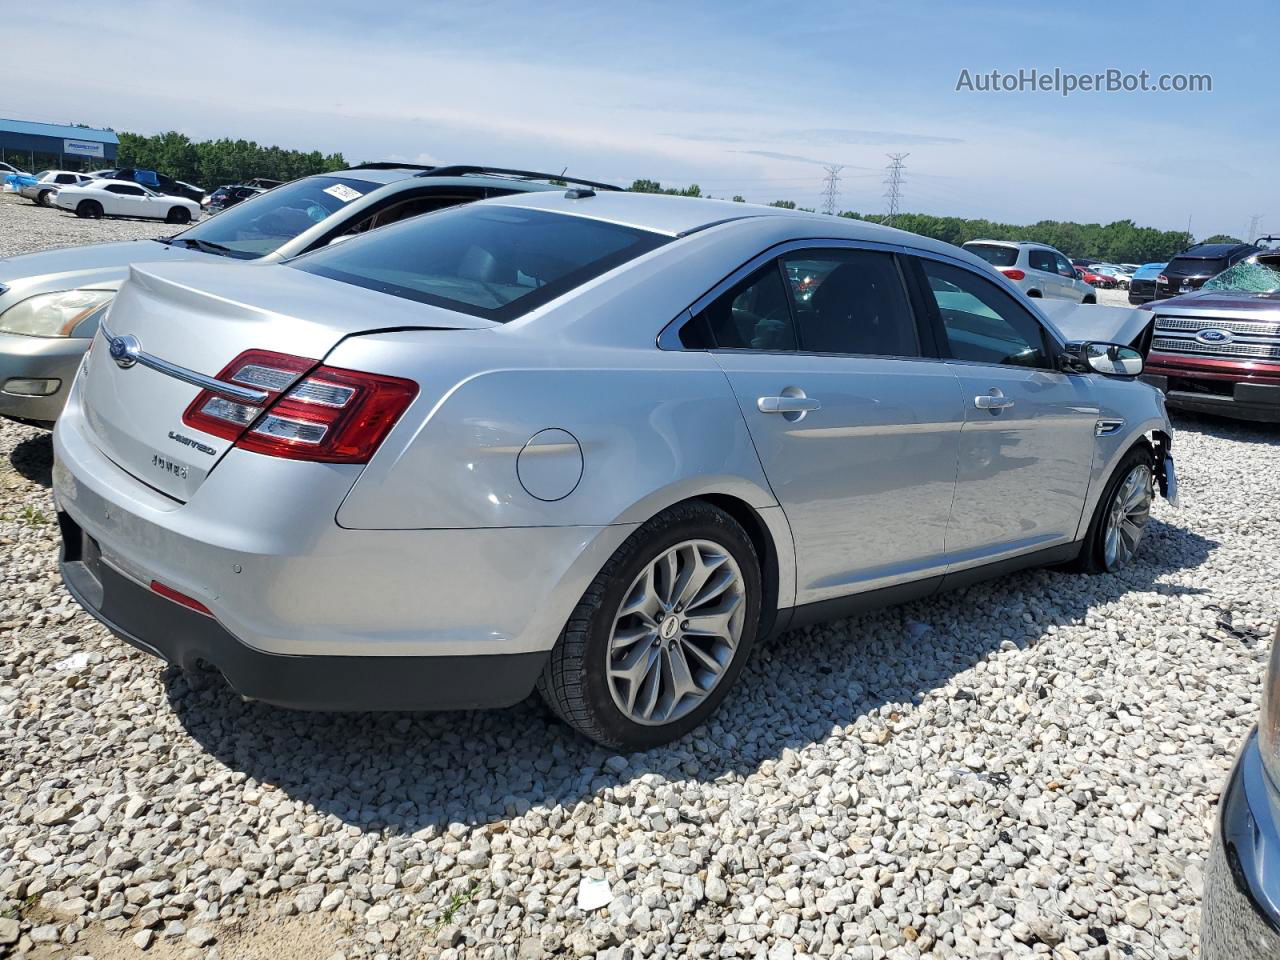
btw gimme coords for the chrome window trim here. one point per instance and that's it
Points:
(213, 385)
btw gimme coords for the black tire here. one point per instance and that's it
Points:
(574, 682)
(89, 210)
(1090, 299)
(178, 215)
(1092, 552)
(42, 199)
(1034, 293)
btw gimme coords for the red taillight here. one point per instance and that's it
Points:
(311, 412)
(191, 603)
(1013, 273)
(272, 373)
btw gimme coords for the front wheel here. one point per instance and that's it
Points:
(1090, 298)
(1122, 515)
(661, 634)
(89, 210)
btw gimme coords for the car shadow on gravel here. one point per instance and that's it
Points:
(405, 772)
(32, 458)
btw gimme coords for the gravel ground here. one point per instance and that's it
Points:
(26, 228)
(1028, 767)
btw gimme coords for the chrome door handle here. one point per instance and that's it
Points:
(787, 404)
(985, 401)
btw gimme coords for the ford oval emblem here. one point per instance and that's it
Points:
(124, 350)
(1214, 335)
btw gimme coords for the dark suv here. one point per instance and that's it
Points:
(1190, 269)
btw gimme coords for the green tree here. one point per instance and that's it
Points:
(210, 163)
(1222, 238)
(784, 204)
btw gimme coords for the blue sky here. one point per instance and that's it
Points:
(742, 98)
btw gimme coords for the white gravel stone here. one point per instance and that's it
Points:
(1026, 767)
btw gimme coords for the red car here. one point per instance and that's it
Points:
(1095, 279)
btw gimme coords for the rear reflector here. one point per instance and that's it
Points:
(191, 603)
(1013, 274)
(311, 412)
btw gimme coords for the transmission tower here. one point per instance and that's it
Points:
(1254, 223)
(831, 188)
(893, 180)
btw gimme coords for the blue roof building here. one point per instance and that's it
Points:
(34, 146)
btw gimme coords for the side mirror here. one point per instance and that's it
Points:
(1109, 359)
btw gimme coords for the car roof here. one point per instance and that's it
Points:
(676, 216)
(1019, 244)
(1212, 251)
(386, 173)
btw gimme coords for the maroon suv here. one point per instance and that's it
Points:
(1217, 350)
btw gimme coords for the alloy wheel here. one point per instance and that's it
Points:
(675, 633)
(1127, 518)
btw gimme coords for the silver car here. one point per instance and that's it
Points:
(596, 443)
(1240, 916)
(1037, 269)
(50, 302)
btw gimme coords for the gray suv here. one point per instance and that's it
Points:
(1037, 269)
(51, 302)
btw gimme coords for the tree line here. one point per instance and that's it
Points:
(1122, 241)
(211, 163)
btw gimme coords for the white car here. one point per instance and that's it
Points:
(119, 198)
(1037, 269)
(48, 183)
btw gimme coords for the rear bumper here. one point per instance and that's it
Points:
(185, 638)
(1240, 913)
(259, 546)
(37, 358)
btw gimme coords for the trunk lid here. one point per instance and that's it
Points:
(198, 318)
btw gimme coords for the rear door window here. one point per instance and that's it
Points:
(1042, 260)
(851, 302)
(754, 314)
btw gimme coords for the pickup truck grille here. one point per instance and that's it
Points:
(1245, 339)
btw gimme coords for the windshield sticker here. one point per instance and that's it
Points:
(342, 192)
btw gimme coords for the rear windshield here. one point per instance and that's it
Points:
(494, 262)
(1196, 266)
(260, 225)
(995, 255)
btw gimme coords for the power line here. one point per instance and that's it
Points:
(893, 181)
(831, 188)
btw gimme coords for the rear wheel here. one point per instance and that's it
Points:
(1122, 514)
(42, 199)
(89, 209)
(178, 215)
(1090, 298)
(661, 634)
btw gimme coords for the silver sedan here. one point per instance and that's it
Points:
(593, 444)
